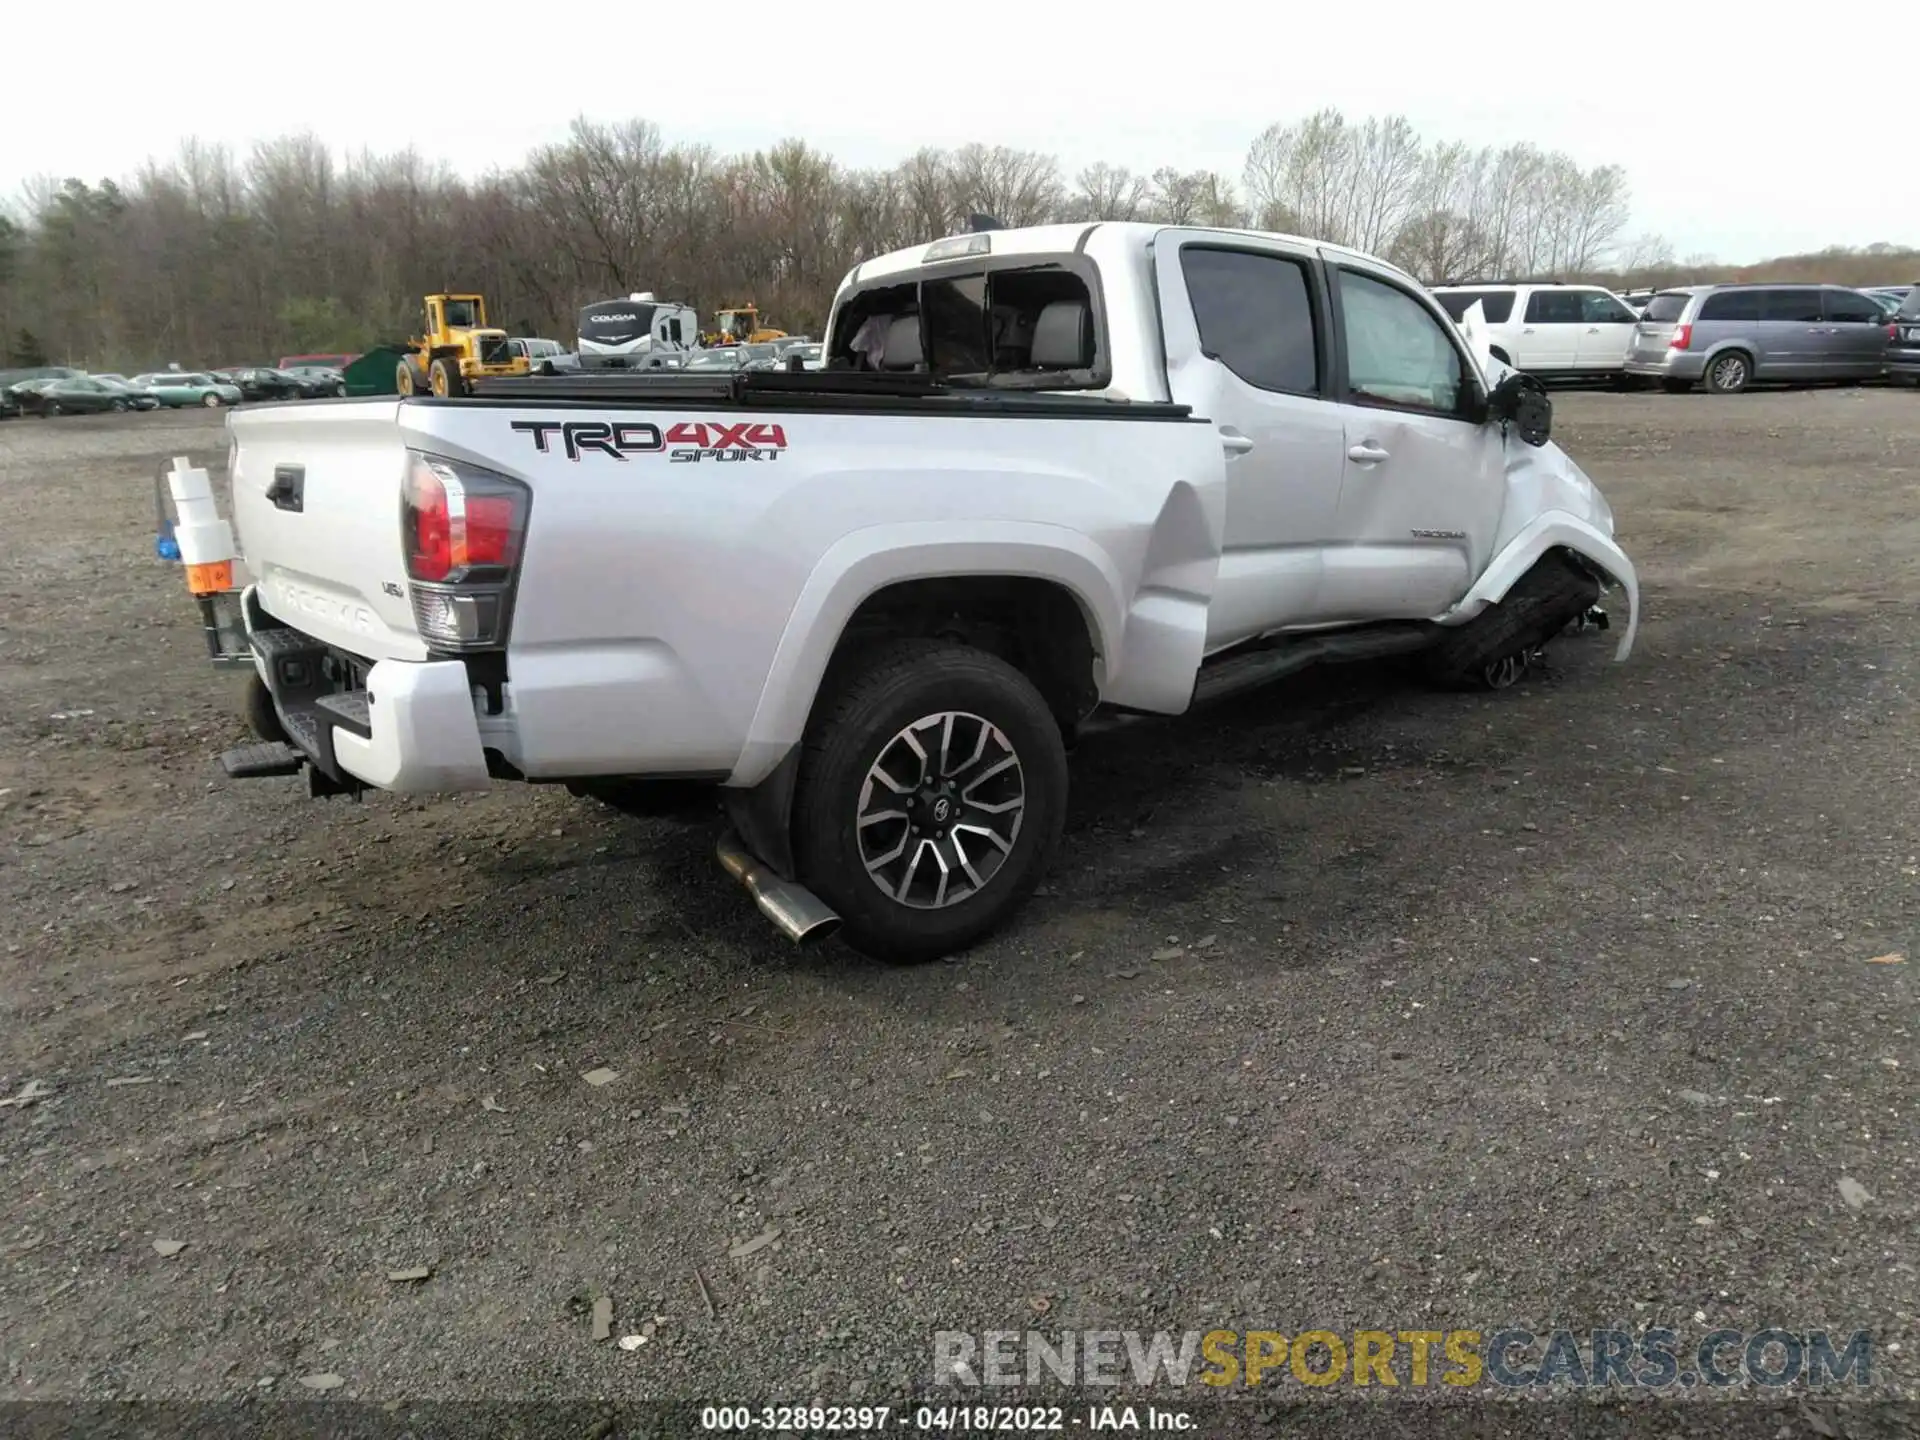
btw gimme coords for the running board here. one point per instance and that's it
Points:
(1248, 670)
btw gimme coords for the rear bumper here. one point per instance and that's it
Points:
(1904, 361)
(407, 726)
(1672, 365)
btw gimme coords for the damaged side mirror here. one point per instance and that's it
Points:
(1521, 402)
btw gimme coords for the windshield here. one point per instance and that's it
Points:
(1666, 307)
(716, 360)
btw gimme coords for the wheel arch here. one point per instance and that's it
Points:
(917, 565)
(1555, 530)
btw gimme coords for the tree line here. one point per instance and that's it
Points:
(209, 259)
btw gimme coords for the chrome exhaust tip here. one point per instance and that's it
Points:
(801, 915)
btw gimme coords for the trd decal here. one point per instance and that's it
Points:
(727, 443)
(594, 437)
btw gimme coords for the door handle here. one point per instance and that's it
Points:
(1366, 453)
(1527, 331)
(1593, 329)
(1233, 442)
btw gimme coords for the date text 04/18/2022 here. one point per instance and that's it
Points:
(953, 1419)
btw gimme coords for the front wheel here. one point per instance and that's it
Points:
(210, 400)
(932, 794)
(443, 379)
(119, 406)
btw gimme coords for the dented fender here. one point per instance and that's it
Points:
(1554, 529)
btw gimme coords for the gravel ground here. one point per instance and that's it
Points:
(1351, 1004)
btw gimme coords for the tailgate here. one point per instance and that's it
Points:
(316, 503)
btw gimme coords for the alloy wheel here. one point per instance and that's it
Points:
(940, 810)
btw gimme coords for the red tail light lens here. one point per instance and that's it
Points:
(462, 528)
(1682, 337)
(457, 518)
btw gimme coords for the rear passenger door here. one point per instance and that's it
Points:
(1549, 339)
(1858, 338)
(1247, 345)
(1425, 481)
(1792, 334)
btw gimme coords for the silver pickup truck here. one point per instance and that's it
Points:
(1044, 471)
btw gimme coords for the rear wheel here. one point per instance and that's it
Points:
(119, 405)
(931, 798)
(1496, 648)
(1730, 373)
(403, 378)
(443, 378)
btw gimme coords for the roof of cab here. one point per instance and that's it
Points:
(1056, 239)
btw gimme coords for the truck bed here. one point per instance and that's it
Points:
(832, 391)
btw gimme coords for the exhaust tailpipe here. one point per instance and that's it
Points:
(800, 914)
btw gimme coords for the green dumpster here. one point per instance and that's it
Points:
(373, 373)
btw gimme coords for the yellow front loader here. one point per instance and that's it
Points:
(456, 348)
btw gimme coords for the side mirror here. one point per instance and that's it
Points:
(1521, 401)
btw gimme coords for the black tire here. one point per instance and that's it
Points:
(262, 719)
(1676, 387)
(51, 409)
(1729, 372)
(404, 382)
(211, 401)
(119, 406)
(1494, 649)
(443, 378)
(863, 709)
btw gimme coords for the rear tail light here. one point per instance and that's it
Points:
(1893, 331)
(1682, 337)
(463, 528)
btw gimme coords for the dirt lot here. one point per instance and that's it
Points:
(1351, 1004)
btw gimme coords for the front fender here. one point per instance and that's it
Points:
(869, 560)
(1554, 529)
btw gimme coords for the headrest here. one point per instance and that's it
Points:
(902, 351)
(1062, 337)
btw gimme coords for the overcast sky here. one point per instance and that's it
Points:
(1737, 140)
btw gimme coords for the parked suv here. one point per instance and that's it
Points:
(1549, 330)
(1729, 336)
(1903, 349)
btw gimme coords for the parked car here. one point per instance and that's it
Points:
(1903, 349)
(82, 395)
(10, 378)
(760, 355)
(318, 381)
(723, 357)
(1550, 331)
(176, 388)
(260, 382)
(534, 348)
(952, 562)
(1732, 336)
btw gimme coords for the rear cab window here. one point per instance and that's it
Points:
(1019, 322)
